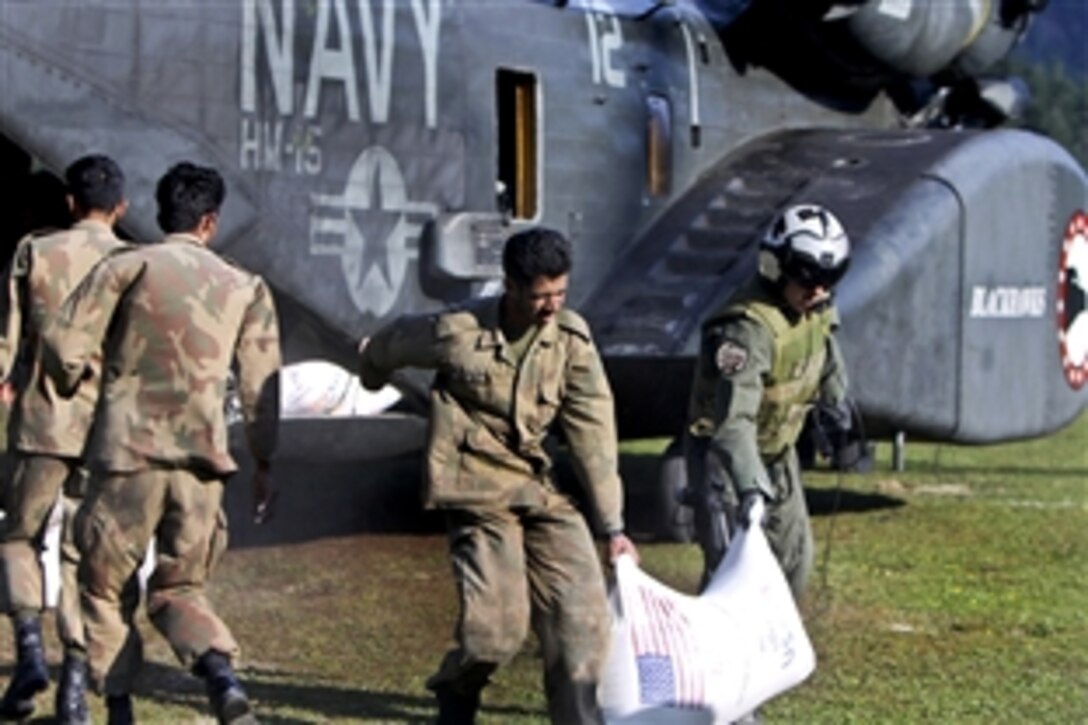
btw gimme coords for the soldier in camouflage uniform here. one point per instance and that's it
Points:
(170, 318)
(767, 355)
(506, 368)
(47, 436)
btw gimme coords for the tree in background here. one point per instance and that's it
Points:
(1059, 104)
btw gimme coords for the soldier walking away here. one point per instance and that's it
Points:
(507, 367)
(766, 357)
(171, 318)
(47, 436)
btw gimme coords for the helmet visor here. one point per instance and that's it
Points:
(811, 275)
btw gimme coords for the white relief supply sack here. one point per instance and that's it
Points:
(320, 389)
(49, 556)
(677, 659)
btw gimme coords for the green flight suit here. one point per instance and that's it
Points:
(521, 552)
(760, 369)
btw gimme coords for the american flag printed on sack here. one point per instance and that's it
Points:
(663, 642)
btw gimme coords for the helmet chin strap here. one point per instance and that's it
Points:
(822, 303)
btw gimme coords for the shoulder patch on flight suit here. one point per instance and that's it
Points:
(571, 321)
(731, 357)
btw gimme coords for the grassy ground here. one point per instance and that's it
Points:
(952, 592)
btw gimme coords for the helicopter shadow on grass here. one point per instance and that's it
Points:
(320, 497)
(828, 502)
(648, 502)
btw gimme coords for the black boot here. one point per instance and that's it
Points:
(119, 710)
(30, 676)
(71, 701)
(228, 699)
(457, 708)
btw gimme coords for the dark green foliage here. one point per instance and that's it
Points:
(1059, 104)
(1057, 36)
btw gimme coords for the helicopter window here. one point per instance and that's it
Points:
(658, 145)
(517, 141)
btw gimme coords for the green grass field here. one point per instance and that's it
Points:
(953, 592)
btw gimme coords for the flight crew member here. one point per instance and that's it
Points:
(766, 357)
(47, 435)
(507, 367)
(170, 317)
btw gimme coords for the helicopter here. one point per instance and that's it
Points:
(378, 154)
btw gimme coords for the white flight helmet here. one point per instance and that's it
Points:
(805, 244)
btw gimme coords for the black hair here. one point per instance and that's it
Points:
(185, 194)
(536, 252)
(96, 183)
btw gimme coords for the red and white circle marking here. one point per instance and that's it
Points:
(1073, 333)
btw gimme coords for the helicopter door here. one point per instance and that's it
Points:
(658, 145)
(518, 159)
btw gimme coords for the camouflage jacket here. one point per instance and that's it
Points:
(746, 397)
(490, 415)
(170, 318)
(44, 270)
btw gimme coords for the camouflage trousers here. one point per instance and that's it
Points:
(31, 496)
(786, 524)
(121, 514)
(533, 564)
